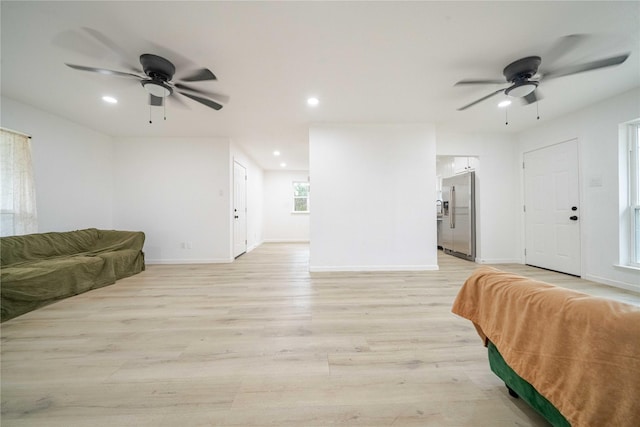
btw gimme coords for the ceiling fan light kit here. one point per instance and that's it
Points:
(521, 89)
(156, 88)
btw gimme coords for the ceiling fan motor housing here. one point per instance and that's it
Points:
(522, 69)
(160, 71)
(519, 72)
(157, 67)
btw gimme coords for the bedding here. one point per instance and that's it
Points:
(581, 353)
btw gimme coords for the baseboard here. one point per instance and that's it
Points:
(286, 240)
(252, 247)
(499, 261)
(347, 268)
(614, 283)
(188, 261)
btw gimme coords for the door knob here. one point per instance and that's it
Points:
(573, 218)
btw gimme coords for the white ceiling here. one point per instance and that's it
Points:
(366, 61)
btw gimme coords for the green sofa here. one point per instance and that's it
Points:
(38, 269)
(519, 388)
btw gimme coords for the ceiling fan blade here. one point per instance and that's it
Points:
(209, 103)
(562, 46)
(480, 82)
(218, 97)
(177, 101)
(532, 97)
(76, 41)
(102, 71)
(481, 99)
(111, 45)
(587, 66)
(200, 75)
(155, 101)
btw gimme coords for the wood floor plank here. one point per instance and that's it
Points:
(259, 342)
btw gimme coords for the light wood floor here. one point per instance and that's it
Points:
(261, 342)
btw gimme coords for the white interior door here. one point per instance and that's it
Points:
(239, 209)
(552, 208)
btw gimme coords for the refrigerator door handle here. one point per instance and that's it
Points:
(452, 206)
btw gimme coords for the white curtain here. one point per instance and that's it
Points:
(18, 197)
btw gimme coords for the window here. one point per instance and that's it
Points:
(300, 196)
(18, 199)
(634, 192)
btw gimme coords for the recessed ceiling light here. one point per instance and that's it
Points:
(504, 103)
(313, 101)
(283, 165)
(110, 99)
(276, 153)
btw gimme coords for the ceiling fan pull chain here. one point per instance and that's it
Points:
(150, 114)
(537, 110)
(506, 116)
(164, 106)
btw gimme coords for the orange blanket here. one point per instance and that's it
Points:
(580, 352)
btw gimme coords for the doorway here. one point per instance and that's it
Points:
(552, 208)
(239, 209)
(448, 167)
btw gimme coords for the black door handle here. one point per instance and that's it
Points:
(573, 218)
(236, 217)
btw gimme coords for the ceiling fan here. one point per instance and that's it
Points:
(523, 76)
(158, 81)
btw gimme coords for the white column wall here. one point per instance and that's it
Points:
(373, 197)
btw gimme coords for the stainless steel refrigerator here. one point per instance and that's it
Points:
(459, 216)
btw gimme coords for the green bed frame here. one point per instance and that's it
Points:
(519, 388)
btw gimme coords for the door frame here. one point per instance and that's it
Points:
(234, 207)
(583, 214)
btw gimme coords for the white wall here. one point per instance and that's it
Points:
(497, 191)
(596, 129)
(73, 168)
(176, 190)
(255, 197)
(373, 202)
(280, 223)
